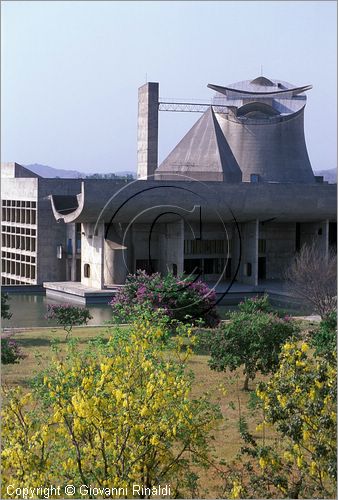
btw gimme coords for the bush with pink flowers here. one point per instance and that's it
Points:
(178, 298)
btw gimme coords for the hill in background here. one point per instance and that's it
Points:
(51, 172)
(330, 175)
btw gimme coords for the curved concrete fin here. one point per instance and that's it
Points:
(202, 154)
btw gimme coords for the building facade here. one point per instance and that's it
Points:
(34, 247)
(234, 201)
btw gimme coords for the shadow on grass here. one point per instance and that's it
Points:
(34, 342)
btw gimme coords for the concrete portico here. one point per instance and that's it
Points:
(234, 201)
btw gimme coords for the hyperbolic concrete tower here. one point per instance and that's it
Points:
(254, 132)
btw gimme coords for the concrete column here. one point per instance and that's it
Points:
(92, 244)
(249, 265)
(71, 234)
(323, 239)
(147, 129)
(172, 248)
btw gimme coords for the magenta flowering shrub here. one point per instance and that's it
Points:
(10, 350)
(176, 297)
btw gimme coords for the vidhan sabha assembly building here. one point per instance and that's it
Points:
(233, 202)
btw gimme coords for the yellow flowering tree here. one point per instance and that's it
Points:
(299, 403)
(112, 416)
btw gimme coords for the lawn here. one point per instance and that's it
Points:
(223, 388)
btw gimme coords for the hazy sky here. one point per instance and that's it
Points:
(71, 70)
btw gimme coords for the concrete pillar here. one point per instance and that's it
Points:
(71, 235)
(323, 239)
(249, 265)
(92, 245)
(172, 248)
(147, 129)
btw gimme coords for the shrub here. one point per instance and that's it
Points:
(114, 415)
(10, 351)
(180, 299)
(68, 316)
(256, 304)
(313, 278)
(253, 339)
(324, 338)
(5, 308)
(299, 403)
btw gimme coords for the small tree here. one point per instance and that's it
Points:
(324, 337)
(313, 278)
(252, 338)
(5, 308)
(68, 316)
(117, 414)
(299, 403)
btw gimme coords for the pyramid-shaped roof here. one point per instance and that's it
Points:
(203, 154)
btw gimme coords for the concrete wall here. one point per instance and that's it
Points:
(280, 247)
(273, 148)
(172, 248)
(51, 233)
(92, 248)
(147, 130)
(317, 233)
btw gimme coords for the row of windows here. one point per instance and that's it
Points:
(18, 256)
(19, 269)
(19, 215)
(18, 230)
(10, 281)
(18, 242)
(219, 266)
(18, 203)
(194, 247)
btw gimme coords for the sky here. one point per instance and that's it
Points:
(71, 72)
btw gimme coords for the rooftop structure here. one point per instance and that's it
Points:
(258, 135)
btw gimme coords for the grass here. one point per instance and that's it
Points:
(233, 403)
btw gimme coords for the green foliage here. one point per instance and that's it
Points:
(324, 338)
(299, 403)
(116, 414)
(179, 299)
(5, 308)
(255, 305)
(10, 350)
(252, 338)
(68, 316)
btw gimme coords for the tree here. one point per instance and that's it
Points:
(252, 338)
(313, 278)
(179, 299)
(324, 337)
(10, 351)
(299, 404)
(5, 308)
(68, 316)
(115, 415)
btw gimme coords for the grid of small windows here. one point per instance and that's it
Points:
(19, 211)
(18, 241)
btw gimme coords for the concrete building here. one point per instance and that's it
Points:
(234, 200)
(232, 203)
(34, 247)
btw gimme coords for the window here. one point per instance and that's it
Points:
(254, 178)
(86, 271)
